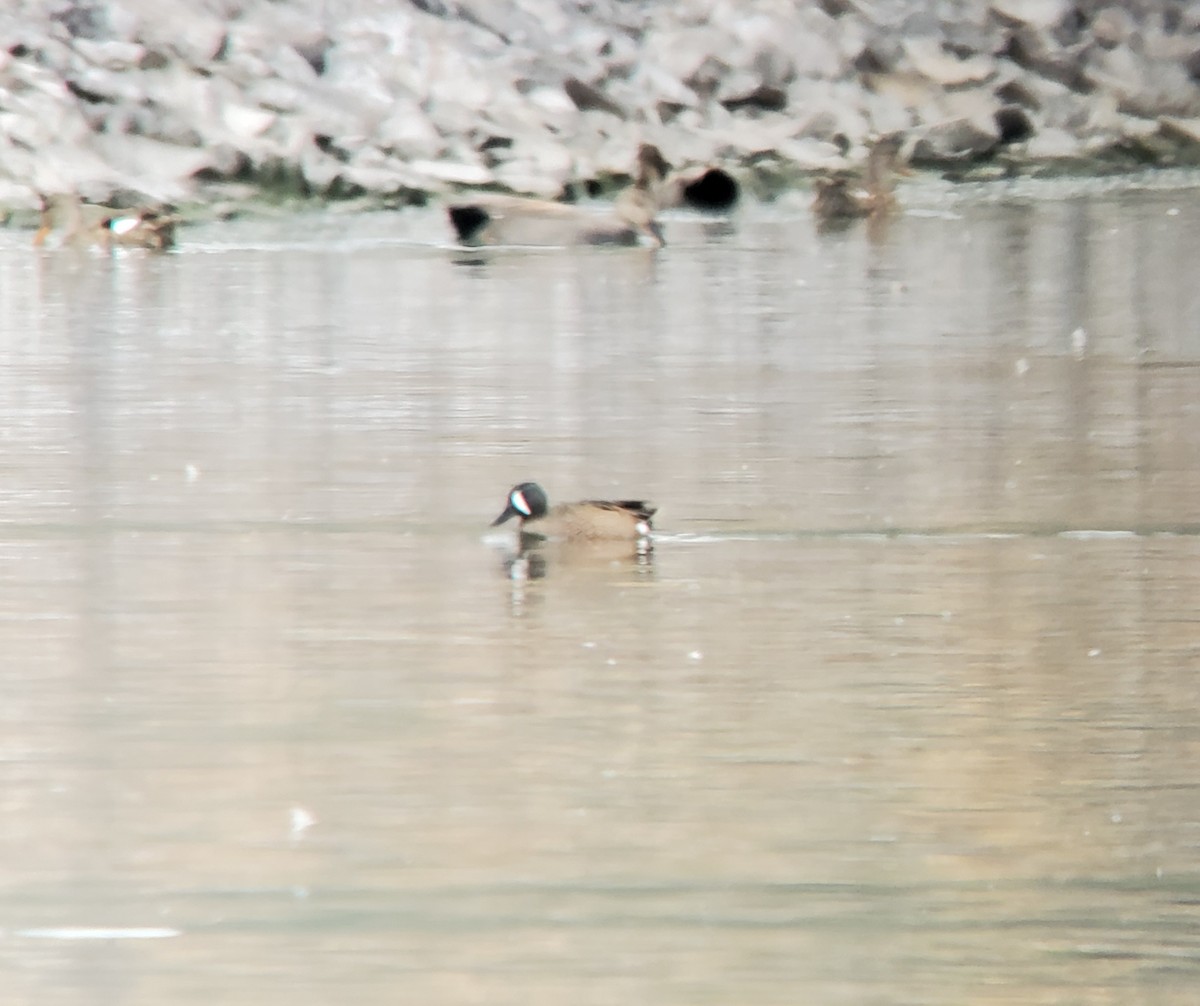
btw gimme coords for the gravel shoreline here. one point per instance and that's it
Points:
(409, 100)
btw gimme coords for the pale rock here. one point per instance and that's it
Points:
(754, 136)
(17, 195)
(537, 167)
(122, 20)
(111, 54)
(161, 169)
(971, 103)
(60, 168)
(1113, 26)
(456, 173)
(927, 57)
(245, 121)
(553, 101)
(408, 132)
(814, 57)
(1145, 87)
(526, 178)
(884, 115)
(228, 159)
(615, 156)
(451, 119)
(338, 114)
(1186, 130)
(660, 85)
(185, 110)
(103, 85)
(358, 45)
(294, 32)
(195, 35)
(591, 40)
(464, 81)
(847, 43)
(1103, 115)
(288, 64)
(375, 178)
(286, 141)
(1037, 13)
(688, 55)
(1134, 126)
(737, 85)
(1052, 144)
(276, 95)
(812, 155)
(319, 170)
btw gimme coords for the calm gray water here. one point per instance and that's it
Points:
(901, 708)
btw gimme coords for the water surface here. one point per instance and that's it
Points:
(900, 708)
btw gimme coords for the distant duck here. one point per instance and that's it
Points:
(842, 197)
(67, 221)
(594, 520)
(513, 220)
(70, 222)
(144, 228)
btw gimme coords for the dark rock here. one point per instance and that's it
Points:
(1014, 124)
(586, 98)
(712, 189)
(84, 21)
(763, 96)
(1029, 50)
(1015, 92)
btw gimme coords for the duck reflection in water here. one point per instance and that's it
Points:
(534, 557)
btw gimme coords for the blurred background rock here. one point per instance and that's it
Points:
(392, 101)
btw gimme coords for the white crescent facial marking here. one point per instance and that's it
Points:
(642, 528)
(123, 225)
(518, 501)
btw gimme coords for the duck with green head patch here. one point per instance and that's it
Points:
(632, 219)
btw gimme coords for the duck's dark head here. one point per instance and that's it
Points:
(527, 501)
(651, 165)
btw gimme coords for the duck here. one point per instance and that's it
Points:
(587, 520)
(841, 197)
(494, 219)
(70, 222)
(143, 228)
(75, 223)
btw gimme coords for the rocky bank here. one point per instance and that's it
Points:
(398, 100)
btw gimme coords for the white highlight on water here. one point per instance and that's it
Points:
(100, 933)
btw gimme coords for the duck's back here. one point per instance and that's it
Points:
(596, 519)
(639, 509)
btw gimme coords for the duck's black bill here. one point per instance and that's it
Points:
(509, 511)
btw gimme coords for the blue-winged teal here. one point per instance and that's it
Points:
(141, 229)
(512, 220)
(587, 520)
(74, 223)
(842, 196)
